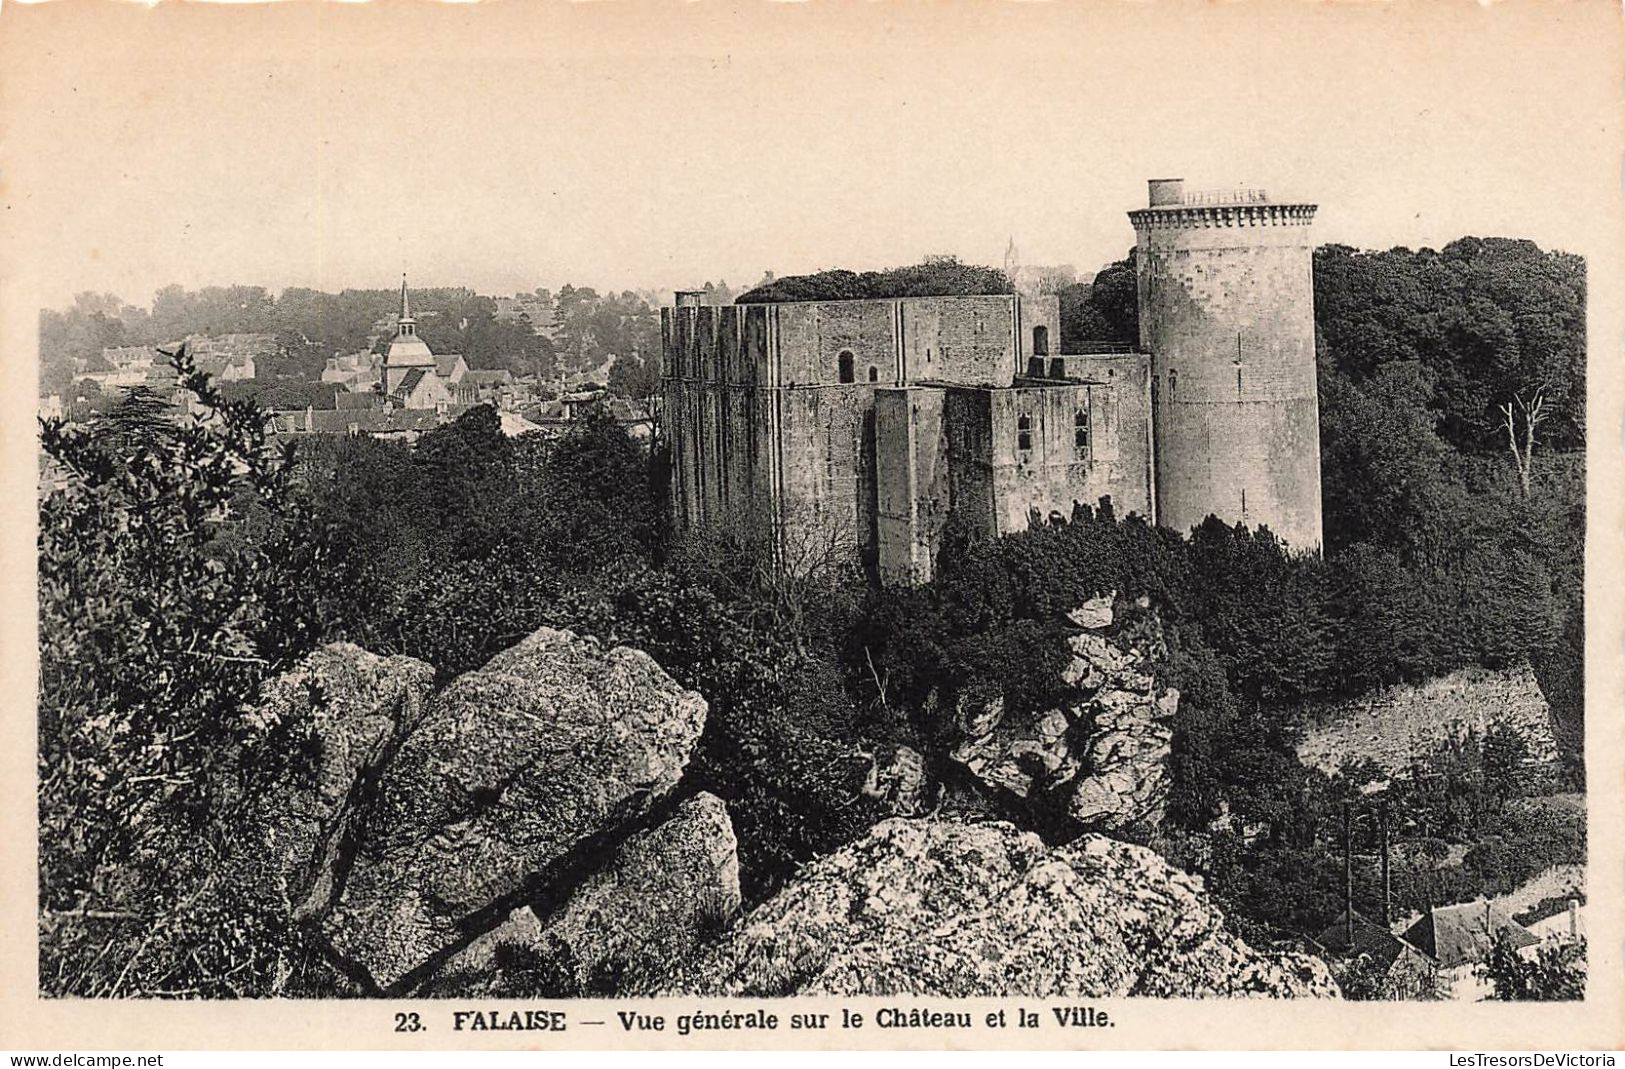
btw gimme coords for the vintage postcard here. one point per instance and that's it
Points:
(652, 525)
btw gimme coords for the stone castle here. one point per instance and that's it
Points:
(862, 426)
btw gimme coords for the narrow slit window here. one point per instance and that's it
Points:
(874, 373)
(1024, 433)
(1080, 432)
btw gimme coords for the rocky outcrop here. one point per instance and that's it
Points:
(921, 907)
(510, 768)
(349, 707)
(1100, 757)
(428, 819)
(1395, 725)
(900, 783)
(665, 892)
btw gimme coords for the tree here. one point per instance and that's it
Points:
(935, 277)
(635, 376)
(156, 621)
(1529, 412)
(1555, 974)
(1105, 310)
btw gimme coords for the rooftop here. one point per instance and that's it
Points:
(1467, 932)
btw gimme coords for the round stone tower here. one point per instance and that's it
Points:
(1227, 313)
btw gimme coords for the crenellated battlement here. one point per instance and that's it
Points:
(1191, 216)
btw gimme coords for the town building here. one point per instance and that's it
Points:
(231, 357)
(358, 372)
(1036, 280)
(1406, 970)
(867, 425)
(495, 387)
(128, 364)
(403, 424)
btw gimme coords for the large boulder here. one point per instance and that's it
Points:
(516, 774)
(665, 892)
(347, 708)
(921, 907)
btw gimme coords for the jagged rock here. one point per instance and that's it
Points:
(1095, 660)
(1095, 613)
(665, 892)
(1127, 755)
(900, 783)
(352, 705)
(952, 910)
(514, 774)
(1101, 758)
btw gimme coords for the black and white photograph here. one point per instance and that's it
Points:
(812, 511)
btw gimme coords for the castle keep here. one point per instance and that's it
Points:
(860, 427)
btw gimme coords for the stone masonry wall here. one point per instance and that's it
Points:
(1392, 725)
(763, 430)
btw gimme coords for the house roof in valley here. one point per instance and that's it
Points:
(1370, 938)
(1465, 933)
(626, 411)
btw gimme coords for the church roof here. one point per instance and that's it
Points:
(411, 381)
(410, 350)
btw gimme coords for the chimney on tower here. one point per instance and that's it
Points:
(1167, 192)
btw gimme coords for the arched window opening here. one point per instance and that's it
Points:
(846, 365)
(874, 373)
(1040, 341)
(1080, 432)
(1024, 433)
(1173, 384)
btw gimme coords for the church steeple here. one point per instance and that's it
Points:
(408, 326)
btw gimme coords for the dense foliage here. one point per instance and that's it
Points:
(1554, 974)
(1106, 309)
(935, 277)
(164, 600)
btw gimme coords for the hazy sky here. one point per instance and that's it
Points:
(628, 145)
